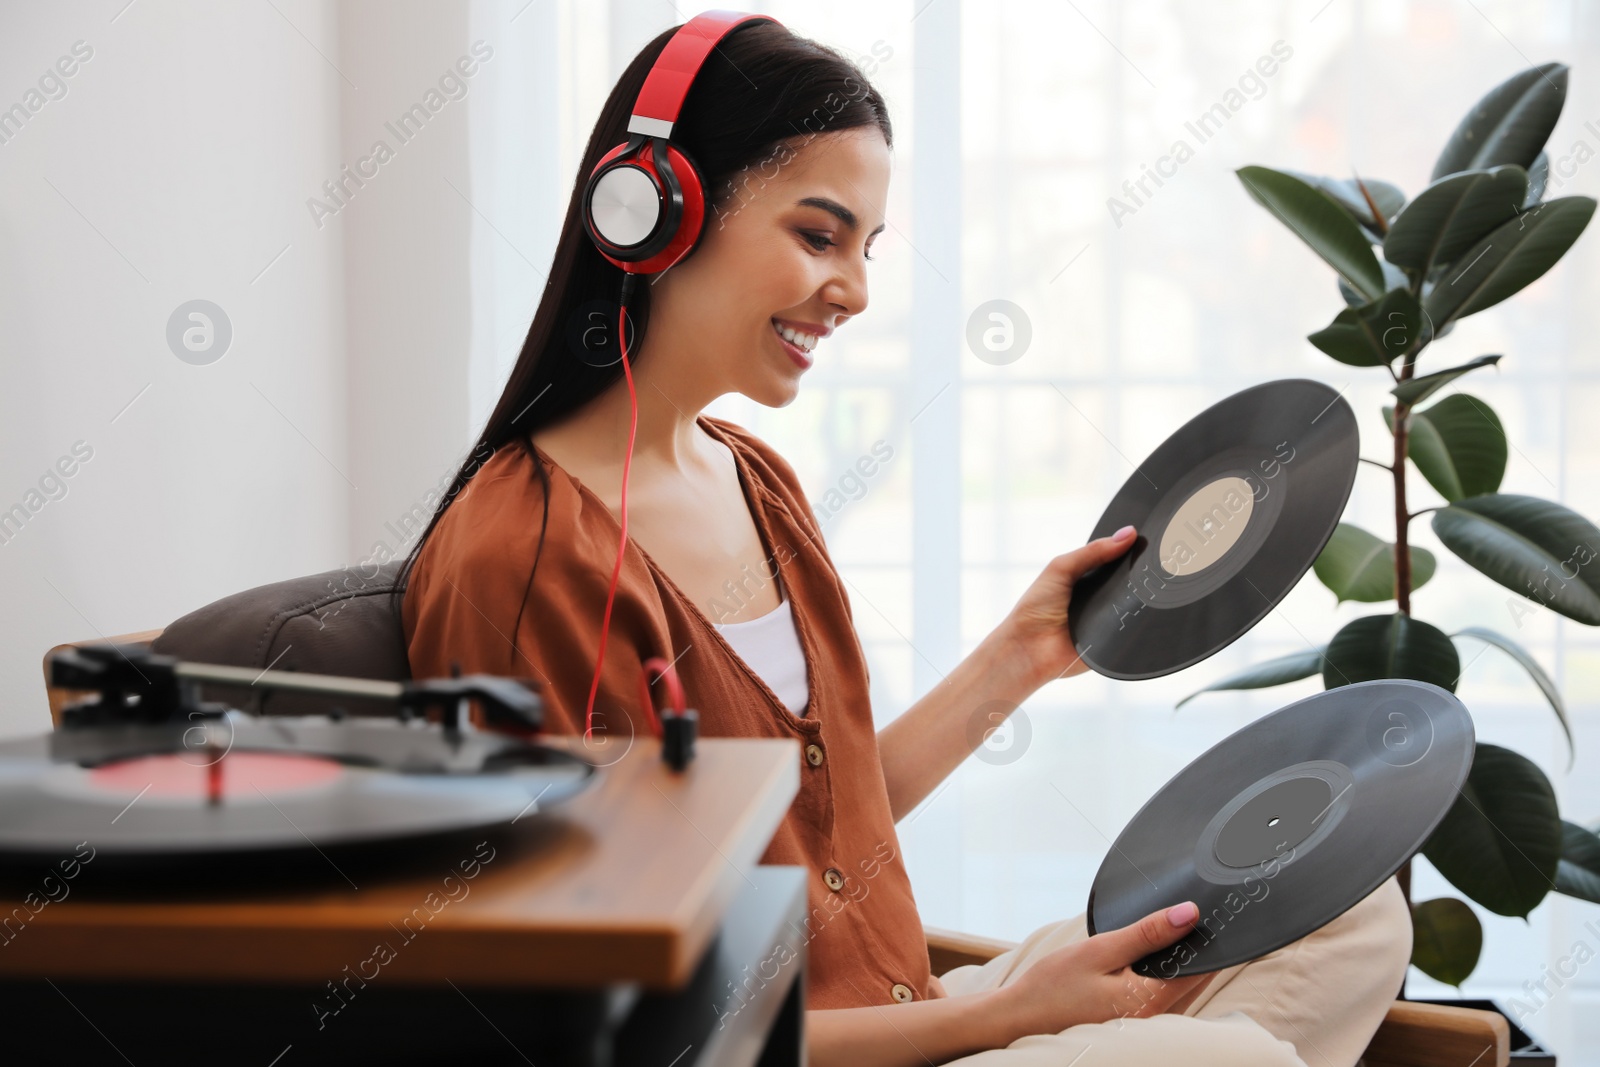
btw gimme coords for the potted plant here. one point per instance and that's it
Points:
(1480, 231)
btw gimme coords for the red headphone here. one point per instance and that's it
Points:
(645, 207)
(645, 204)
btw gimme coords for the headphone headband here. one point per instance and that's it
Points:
(661, 97)
(645, 203)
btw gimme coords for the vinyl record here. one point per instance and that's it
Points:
(241, 785)
(1231, 511)
(1283, 826)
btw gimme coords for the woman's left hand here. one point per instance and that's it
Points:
(1037, 625)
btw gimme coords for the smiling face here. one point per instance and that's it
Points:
(782, 264)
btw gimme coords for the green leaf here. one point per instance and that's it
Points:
(1578, 872)
(1373, 334)
(1501, 840)
(1453, 214)
(1533, 547)
(1457, 444)
(1321, 223)
(1390, 646)
(1414, 391)
(1508, 258)
(1446, 939)
(1538, 180)
(1510, 124)
(1393, 278)
(1290, 668)
(1536, 672)
(1357, 565)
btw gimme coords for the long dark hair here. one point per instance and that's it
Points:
(761, 87)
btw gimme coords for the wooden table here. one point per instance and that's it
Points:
(580, 934)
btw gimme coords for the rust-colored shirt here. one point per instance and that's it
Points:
(473, 599)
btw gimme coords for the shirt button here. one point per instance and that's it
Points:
(901, 993)
(814, 755)
(834, 879)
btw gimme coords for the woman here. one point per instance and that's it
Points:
(512, 576)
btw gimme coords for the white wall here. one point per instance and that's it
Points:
(176, 166)
(406, 230)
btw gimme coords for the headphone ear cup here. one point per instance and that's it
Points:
(645, 215)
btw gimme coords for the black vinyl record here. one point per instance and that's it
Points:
(1288, 823)
(1231, 512)
(240, 785)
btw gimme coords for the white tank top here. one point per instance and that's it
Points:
(771, 646)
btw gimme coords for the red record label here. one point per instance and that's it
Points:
(239, 774)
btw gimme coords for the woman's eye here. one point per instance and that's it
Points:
(821, 242)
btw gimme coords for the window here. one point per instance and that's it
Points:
(1018, 123)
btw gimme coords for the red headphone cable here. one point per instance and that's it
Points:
(627, 462)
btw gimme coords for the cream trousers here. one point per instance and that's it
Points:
(1313, 1003)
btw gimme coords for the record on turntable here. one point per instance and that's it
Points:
(149, 773)
(1286, 824)
(1231, 511)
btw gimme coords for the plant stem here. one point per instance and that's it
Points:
(1404, 877)
(1402, 546)
(1402, 517)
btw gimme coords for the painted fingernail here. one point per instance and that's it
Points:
(1181, 915)
(1123, 534)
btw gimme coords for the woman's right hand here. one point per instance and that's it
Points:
(1091, 981)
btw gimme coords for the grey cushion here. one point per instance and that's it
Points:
(337, 622)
